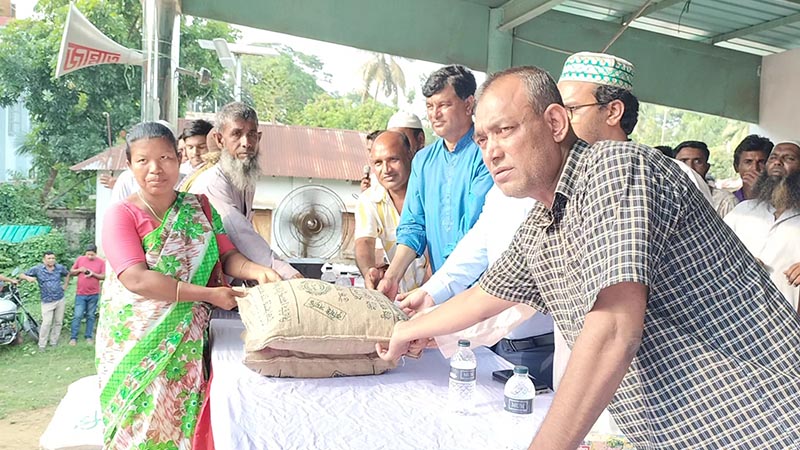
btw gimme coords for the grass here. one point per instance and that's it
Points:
(30, 379)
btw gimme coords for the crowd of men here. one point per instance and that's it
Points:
(684, 326)
(646, 299)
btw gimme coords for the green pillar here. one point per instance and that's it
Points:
(500, 43)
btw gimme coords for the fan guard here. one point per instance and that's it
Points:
(309, 223)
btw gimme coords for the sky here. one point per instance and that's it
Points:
(342, 63)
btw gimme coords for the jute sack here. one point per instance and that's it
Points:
(282, 363)
(310, 328)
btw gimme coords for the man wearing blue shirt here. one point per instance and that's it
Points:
(448, 180)
(51, 287)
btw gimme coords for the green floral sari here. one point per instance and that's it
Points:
(149, 352)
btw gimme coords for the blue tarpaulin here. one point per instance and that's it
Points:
(19, 233)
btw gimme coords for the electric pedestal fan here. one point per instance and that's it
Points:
(309, 223)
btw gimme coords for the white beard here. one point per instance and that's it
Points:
(242, 173)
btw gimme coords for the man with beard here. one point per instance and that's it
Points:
(670, 320)
(231, 184)
(769, 225)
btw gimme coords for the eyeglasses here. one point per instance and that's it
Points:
(571, 109)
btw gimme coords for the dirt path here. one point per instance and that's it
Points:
(21, 430)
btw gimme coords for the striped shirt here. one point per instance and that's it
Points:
(718, 366)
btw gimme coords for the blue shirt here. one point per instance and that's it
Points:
(444, 198)
(50, 285)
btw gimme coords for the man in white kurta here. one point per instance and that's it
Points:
(769, 226)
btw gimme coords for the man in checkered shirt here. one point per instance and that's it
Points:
(672, 323)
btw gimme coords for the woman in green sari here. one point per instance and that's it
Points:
(167, 252)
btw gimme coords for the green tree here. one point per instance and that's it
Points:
(348, 113)
(385, 74)
(280, 86)
(660, 125)
(67, 113)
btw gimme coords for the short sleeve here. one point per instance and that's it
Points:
(625, 226)
(366, 218)
(33, 271)
(121, 241)
(63, 270)
(510, 278)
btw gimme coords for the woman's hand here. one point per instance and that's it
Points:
(224, 297)
(267, 275)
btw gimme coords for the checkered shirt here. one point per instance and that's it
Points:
(719, 362)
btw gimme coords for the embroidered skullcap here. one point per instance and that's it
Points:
(598, 68)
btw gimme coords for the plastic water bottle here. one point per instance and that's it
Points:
(328, 276)
(461, 392)
(519, 393)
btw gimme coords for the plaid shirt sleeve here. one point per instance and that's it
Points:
(510, 278)
(624, 223)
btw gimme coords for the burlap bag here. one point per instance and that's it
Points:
(310, 328)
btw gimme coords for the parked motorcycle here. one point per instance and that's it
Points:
(15, 320)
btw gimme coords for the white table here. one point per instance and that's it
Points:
(405, 408)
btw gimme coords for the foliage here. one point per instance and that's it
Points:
(347, 113)
(661, 125)
(67, 113)
(26, 254)
(280, 86)
(386, 75)
(19, 205)
(30, 379)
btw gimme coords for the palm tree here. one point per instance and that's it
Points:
(383, 72)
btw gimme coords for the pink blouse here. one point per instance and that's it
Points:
(124, 227)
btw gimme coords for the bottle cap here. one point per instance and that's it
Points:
(522, 370)
(463, 343)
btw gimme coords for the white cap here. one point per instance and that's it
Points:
(795, 143)
(168, 125)
(402, 119)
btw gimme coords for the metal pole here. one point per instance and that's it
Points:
(237, 87)
(161, 46)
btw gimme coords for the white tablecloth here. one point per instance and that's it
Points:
(405, 408)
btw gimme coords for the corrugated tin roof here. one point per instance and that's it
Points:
(761, 27)
(111, 159)
(285, 151)
(321, 153)
(754, 26)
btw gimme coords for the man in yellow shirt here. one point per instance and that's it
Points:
(379, 208)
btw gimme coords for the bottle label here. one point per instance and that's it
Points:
(462, 374)
(516, 406)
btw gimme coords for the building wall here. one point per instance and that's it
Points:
(14, 126)
(270, 191)
(780, 95)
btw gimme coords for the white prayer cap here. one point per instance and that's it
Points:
(402, 119)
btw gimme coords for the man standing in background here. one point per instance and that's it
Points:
(90, 269)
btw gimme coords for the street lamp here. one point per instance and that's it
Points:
(229, 55)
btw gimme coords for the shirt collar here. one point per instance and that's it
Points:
(465, 141)
(543, 216)
(570, 175)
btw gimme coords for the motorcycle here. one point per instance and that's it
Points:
(15, 320)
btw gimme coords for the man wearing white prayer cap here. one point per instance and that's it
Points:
(410, 125)
(769, 224)
(597, 93)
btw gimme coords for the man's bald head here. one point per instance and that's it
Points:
(390, 158)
